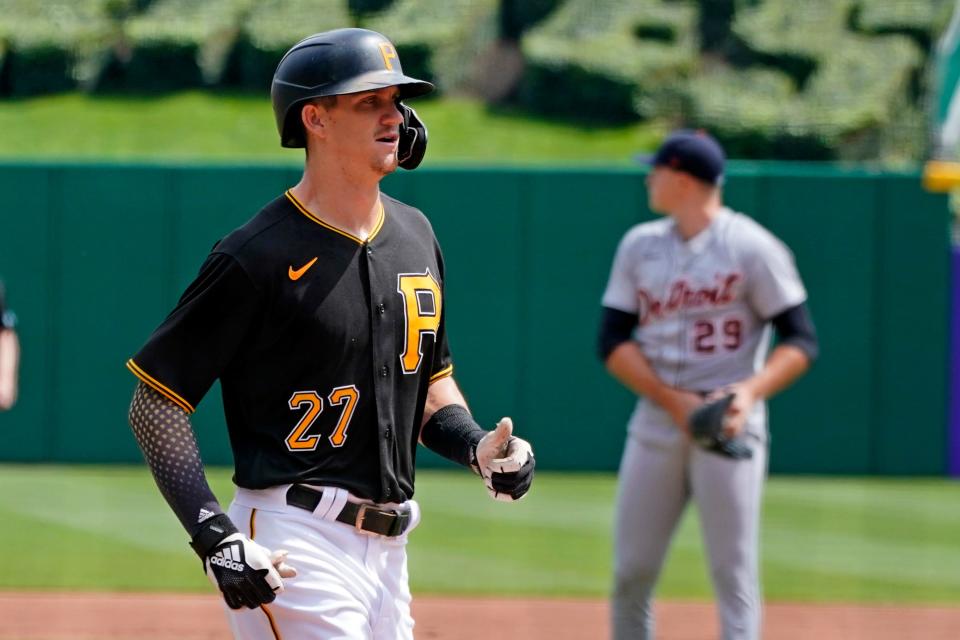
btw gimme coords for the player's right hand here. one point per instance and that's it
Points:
(246, 573)
(680, 404)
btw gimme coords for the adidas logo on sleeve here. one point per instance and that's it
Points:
(229, 557)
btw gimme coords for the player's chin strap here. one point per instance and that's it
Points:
(413, 139)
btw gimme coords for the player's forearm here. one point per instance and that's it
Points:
(441, 393)
(627, 364)
(9, 365)
(785, 364)
(165, 436)
(448, 428)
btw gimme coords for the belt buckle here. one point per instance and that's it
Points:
(397, 526)
(361, 515)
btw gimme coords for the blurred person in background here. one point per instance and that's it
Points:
(687, 318)
(9, 354)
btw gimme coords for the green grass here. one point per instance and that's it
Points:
(824, 539)
(207, 127)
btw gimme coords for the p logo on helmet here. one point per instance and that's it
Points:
(388, 53)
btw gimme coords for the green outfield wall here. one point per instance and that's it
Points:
(94, 256)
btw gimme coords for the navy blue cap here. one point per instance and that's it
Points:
(693, 152)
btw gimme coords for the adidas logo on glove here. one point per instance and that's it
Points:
(229, 558)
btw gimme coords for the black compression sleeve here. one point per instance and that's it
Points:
(795, 327)
(453, 433)
(165, 436)
(616, 327)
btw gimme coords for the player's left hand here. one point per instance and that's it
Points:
(505, 462)
(736, 415)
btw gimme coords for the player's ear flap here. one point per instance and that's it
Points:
(413, 138)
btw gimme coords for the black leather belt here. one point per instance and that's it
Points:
(365, 517)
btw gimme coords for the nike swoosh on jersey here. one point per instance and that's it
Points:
(296, 273)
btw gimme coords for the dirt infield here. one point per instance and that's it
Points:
(62, 616)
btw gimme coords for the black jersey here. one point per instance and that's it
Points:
(324, 345)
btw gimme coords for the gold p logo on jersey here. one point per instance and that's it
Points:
(388, 53)
(421, 311)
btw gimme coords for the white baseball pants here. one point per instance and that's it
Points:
(350, 584)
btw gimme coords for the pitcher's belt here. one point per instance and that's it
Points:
(365, 517)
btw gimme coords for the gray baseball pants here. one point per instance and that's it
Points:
(660, 472)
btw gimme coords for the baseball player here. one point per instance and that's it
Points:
(9, 355)
(686, 323)
(323, 317)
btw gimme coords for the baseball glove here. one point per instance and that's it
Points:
(706, 429)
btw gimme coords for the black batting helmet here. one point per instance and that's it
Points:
(332, 63)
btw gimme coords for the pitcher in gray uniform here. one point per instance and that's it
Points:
(687, 316)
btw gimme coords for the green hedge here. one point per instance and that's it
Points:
(606, 59)
(791, 36)
(805, 28)
(439, 40)
(179, 44)
(844, 111)
(716, 18)
(750, 112)
(518, 16)
(272, 27)
(920, 21)
(362, 8)
(54, 45)
(784, 78)
(884, 16)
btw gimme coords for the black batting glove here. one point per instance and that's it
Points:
(246, 573)
(514, 484)
(505, 462)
